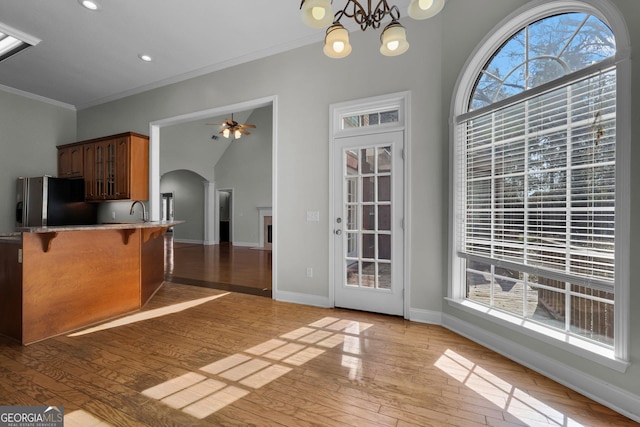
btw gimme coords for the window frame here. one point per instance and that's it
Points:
(534, 11)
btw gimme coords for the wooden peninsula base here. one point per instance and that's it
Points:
(59, 279)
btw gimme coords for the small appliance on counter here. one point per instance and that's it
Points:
(48, 201)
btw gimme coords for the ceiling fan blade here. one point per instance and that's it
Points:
(248, 126)
(244, 132)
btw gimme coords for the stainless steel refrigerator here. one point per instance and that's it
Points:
(48, 201)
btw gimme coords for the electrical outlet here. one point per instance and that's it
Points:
(309, 272)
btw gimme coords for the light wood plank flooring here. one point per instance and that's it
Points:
(196, 356)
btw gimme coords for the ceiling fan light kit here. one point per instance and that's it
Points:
(393, 40)
(232, 128)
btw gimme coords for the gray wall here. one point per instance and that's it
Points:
(29, 133)
(246, 168)
(188, 189)
(306, 83)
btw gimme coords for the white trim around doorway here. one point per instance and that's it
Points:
(154, 161)
(402, 101)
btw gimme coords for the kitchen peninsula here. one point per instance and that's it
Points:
(58, 279)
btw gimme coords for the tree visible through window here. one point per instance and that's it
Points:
(537, 178)
(542, 52)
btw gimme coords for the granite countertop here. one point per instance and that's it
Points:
(103, 226)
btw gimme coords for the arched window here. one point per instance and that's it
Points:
(537, 178)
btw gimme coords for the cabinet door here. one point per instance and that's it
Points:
(70, 162)
(100, 170)
(90, 181)
(64, 166)
(122, 169)
(110, 168)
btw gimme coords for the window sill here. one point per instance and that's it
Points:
(584, 348)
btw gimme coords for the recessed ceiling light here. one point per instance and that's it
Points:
(90, 4)
(13, 41)
(145, 58)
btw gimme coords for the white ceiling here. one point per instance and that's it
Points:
(86, 58)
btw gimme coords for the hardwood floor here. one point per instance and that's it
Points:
(224, 266)
(196, 356)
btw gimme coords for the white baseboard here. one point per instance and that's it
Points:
(194, 242)
(245, 244)
(594, 388)
(425, 316)
(207, 242)
(298, 298)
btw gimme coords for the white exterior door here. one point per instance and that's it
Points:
(368, 216)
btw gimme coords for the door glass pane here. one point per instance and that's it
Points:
(352, 190)
(368, 274)
(352, 273)
(368, 160)
(384, 275)
(368, 188)
(351, 165)
(352, 217)
(384, 246)
(352, 245)
(384, 188)
(368, 246)
(384, 217)
(384, 159)
(369, 217)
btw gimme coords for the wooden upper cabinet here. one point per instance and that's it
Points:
(116, 167)
(70, 162)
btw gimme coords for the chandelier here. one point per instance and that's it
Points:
(393, 40)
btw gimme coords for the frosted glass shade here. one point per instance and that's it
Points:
(394, 40)
(423, 9)
(317, 13)
(336, 42)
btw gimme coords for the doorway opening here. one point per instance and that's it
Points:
(211, 204)
(225, 215)
(167, 207)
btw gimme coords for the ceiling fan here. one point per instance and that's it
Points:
(232, 128)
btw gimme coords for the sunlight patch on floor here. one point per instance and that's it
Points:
(146, 315)
(81, 418)
(501, 393)
(200, 395)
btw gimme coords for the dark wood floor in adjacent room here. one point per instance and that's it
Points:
(223, 266)
(199, 356)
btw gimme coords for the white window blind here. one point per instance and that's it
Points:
(537, 191)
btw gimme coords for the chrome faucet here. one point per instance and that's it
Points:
(144, 210)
